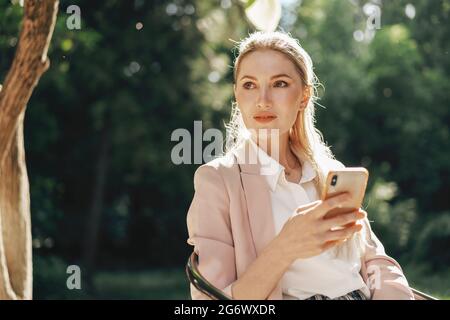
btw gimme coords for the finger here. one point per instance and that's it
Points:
(307, 206)
(342, 234)
(334, 242)
(331, 203)
(329, 244)
(346, 219)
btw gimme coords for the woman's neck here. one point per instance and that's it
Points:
(283, 155)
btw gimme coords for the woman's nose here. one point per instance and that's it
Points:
(265, 100)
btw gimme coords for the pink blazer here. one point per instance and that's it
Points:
(230, 222)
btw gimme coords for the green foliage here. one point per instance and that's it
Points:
(432, 242)
(50, 279)
(385, 107)
(423, 278)
(154, 285)
(391, 220)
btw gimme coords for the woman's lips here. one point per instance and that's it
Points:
(265, 118)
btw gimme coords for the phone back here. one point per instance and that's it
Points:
(352, 180)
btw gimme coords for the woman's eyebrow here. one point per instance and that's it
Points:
(273, 77)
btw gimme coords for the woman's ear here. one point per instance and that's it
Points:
(302, 105)
(306, 97)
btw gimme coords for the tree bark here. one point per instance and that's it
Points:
(30, 62)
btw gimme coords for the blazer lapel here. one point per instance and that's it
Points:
(259, 204)
(257, 197)
(259, 209)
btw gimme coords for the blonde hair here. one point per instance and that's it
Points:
(306, 141)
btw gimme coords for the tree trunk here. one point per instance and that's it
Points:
(30, 62)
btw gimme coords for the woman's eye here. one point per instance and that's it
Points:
(281, 84)
(248, 85)
(278, 84)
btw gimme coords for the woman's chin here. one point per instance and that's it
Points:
(265, 130)
(265, 125)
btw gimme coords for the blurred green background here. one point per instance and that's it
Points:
(104, 192)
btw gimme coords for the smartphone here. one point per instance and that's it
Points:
(352, 180)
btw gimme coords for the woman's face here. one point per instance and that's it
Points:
(269, 91)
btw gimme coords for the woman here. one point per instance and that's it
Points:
(256, 221)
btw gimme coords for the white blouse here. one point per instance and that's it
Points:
(321, 274)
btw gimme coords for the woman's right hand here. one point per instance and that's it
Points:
(307, 233)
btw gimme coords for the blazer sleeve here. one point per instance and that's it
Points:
(209, 230)
(382, 273)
